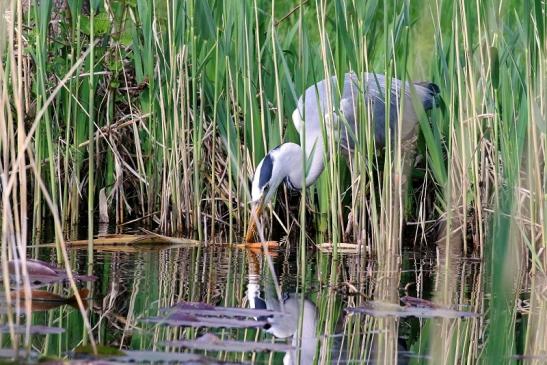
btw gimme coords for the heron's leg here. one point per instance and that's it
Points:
(346, 233)
(351, 232)
(349, 227)
(401, 173)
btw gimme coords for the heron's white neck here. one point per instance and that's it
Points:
(291, 157)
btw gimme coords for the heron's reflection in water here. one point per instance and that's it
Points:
(297, 310)
(294, 307)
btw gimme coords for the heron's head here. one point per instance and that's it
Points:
(264, 187)
(277, 165)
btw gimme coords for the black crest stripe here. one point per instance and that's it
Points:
(265, 171)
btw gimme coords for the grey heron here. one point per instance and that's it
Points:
(342, 119)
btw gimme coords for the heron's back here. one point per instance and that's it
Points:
(363, 102)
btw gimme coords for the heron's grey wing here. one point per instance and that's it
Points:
(365, 96)
(371, 91)
(348, 110)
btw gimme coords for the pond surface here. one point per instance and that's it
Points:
(183, 305)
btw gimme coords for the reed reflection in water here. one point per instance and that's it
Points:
(318, 322)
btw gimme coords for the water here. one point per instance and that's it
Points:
(137, 284)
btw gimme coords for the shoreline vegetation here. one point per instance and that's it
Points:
(156, 113)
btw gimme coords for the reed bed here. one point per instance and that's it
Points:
(157, 112)
(170, 110)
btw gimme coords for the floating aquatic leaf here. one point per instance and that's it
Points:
(198, 308)
(105, 354)
(211, 342)
(195, 305)
(189, 320)
(37, 272)
(42, 300)
(164, 357)
(34, 330)
(43, 272)
(179, 316)
(5, 353)
(197, 314)
(382, 309)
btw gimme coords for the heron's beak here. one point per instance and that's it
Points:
(256, 211)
